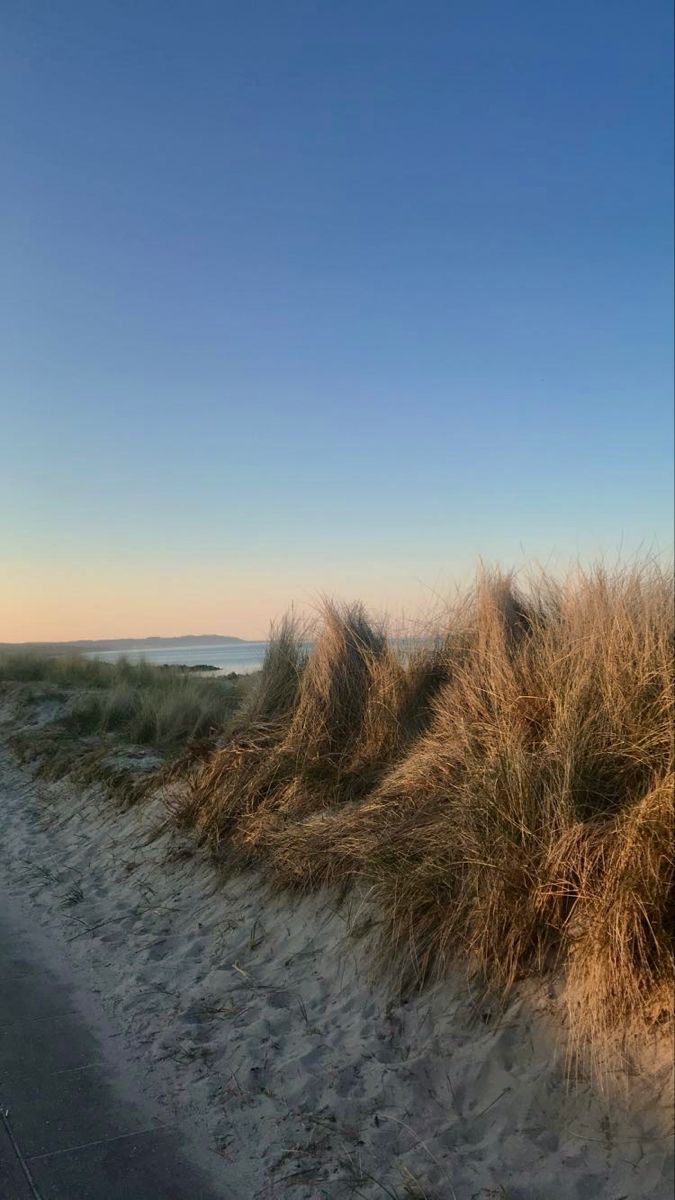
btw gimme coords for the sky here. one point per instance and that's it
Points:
(304, 297)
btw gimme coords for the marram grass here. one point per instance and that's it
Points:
(505, 795)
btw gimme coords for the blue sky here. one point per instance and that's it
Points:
(306, 296)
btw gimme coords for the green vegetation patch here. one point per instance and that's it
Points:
(138, 703)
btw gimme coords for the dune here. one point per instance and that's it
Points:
(259, 1018)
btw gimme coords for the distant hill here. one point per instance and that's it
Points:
(147, 643)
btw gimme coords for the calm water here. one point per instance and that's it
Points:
(243, 657)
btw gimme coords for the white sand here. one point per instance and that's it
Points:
(255, 1018)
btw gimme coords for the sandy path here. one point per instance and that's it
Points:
(255, 1020)
(75, 1122)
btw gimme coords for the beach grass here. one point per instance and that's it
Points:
(137, 703)
(504, 793)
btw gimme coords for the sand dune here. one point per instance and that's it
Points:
(259, 1019)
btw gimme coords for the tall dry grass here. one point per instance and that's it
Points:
(506, 796)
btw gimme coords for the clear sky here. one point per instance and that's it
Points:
(302, 295)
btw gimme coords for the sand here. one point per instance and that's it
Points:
(260, 1021)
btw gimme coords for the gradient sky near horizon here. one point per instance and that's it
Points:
(304, 296)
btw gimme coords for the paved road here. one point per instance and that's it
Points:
(73, 1126)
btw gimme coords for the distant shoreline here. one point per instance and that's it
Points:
(155, 643)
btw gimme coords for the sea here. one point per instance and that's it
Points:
(242, 657)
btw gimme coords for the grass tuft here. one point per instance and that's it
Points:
(505, 796)
(136, 702)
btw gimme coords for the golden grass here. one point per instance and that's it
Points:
(506, 796)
